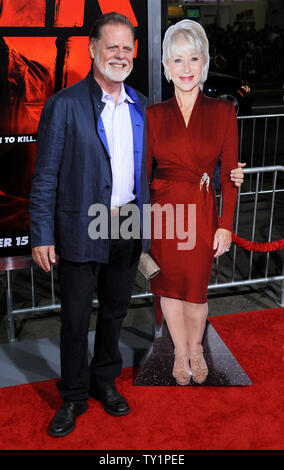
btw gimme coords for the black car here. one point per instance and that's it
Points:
(222, 86)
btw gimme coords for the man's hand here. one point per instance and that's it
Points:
(44, 256)
(237, 175)
(222, 241)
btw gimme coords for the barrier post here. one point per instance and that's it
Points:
(282, 289)
(154, 51)
(9, 301)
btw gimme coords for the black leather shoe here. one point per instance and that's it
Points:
(112, 401)
(64, 420)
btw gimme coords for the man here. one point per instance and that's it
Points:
(91, 149)
(83, 160)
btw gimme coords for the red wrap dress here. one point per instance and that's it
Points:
(185, 154)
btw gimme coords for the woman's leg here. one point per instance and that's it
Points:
(195, 316)
(173, 312)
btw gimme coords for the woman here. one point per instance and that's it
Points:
(186, 136)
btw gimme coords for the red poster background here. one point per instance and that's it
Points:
(43, 48)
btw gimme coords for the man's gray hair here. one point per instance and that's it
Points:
(109, 18)
(195, 42)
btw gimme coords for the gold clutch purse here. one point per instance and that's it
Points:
(147, 266)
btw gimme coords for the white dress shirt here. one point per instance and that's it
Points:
(118, 128)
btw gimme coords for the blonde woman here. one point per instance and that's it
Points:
(186, 136)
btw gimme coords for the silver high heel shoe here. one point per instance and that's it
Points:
(180, 373)
(199, 374)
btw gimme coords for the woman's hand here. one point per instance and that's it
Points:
(222, 241)
(237, 175)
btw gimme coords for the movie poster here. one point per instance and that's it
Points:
(44, 48)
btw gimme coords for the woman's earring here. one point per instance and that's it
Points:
(168, 76)
(166, 72)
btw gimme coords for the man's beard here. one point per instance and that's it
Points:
(112, 74)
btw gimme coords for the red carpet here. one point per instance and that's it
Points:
(170, 418)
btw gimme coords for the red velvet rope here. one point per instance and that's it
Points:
(257, 246)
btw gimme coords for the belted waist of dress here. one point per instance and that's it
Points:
(183, 174)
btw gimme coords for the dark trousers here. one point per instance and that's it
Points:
(77, 281)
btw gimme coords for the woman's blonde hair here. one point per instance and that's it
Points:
(195, 42)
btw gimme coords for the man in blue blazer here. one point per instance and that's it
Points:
(81, 161)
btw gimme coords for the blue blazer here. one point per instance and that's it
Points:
(72, 170)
